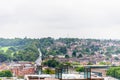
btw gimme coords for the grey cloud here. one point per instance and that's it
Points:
(59, 18)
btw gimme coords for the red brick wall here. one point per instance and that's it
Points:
(24, 71)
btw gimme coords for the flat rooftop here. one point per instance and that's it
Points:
(96, 66)
(64, 76)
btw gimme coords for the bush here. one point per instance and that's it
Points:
(80, 69)
(51, 63)
(6, 73)
(114, 72)
(49, 71)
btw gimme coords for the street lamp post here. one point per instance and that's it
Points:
(58, 73)
(87, 73)
(65, 69)
(39, 70)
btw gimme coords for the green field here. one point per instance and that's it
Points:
(4, 48)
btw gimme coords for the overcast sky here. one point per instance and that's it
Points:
(60, 18)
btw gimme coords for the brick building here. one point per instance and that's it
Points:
(22, 68)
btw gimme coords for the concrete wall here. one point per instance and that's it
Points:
(67, 79)
(82, 79)
(103, 71)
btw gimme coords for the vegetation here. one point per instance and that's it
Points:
(4, 49)
(89, 63)
(74, 54)
(6, 73)
(49, 71)
(114, 72)
(3, 57)
(80, 69)
(20, 49)
(104, 63)
(51, 63)
(67, 56)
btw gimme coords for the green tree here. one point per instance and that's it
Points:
(80, 69)
(6, 73)
(114, 72)
(30, 53)
(3, 57)
(51, 63)
(67, 56)
(116, 58)
(49, 71)
(80, 55)
(63, 50)
(89, 63)
(102, 63)
(74, 54)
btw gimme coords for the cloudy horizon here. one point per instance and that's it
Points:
(99, 19)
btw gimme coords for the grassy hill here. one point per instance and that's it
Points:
(4, 48)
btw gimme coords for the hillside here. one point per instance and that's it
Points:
(20, 49)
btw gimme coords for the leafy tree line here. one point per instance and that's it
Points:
(49, 71)
(14, 42)
(28, 52)
(6, 73)
(114, 72)
(79, 69)
(52, 63)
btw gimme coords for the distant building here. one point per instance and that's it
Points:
(4, 66)
(22, 68)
